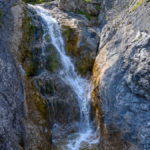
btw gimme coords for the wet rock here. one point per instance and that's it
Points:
(63, 104)
(81, 38)
(82, 45)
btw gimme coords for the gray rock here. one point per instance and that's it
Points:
(121, 75)
(11, 87)
(69, 5)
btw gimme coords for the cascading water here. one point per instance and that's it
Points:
(80, 86)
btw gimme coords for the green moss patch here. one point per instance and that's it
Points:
(29, 64)
(98, 7)
(87, 1)
(138, 4)
(0, 17)
(71, 39)
(36, 1)
(85, 65)
(85, 13)
(52, 60)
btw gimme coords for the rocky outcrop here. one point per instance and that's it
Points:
(11, 86)
(24, 114)
(89, 7)
(120, 82)
(34, 101)
(80, 35)
(54, 100)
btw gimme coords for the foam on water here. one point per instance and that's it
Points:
(80, 85)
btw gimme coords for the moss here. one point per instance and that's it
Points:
(46, 87)
(52, 60)
(47, 37)
(37, 113)
(32, 68)
(36, 1)
(30, 29)
(85, 13)
(71, 39)
(85, 65)
(0, 17)
(29, 64)
(98, 7)
(138, 4)
(42, 107)
(140, 37)
(35, 104)
(87, 1)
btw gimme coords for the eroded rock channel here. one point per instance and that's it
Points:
(74, 75)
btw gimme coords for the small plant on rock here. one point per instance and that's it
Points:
(138, 4)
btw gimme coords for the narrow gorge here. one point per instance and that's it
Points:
(74, 75)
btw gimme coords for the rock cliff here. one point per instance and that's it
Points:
(120, 81)
(107, 40)
(24, 124)
(11, 86)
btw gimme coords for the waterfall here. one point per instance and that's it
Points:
(80, 86)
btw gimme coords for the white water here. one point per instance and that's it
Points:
(80, 86)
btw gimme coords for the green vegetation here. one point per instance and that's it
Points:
(0, 13)
(30, 28)
(0, 16)
(47, 87)
(29, 63)
(87, 1)
(97, 7)
(52, 60)
(71, 39)
(88, 16)
(138, 4)
(32, 68)
(140, 37)
(47, 37)
(35, 1)
(85, 65)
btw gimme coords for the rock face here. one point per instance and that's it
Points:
(39, 99)
(91, 7)
(34, 101)
(120, 82)
(80, 35)
(11, 87)
(23, 124)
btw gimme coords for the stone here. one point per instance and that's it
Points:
(120, 82)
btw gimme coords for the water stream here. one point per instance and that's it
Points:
(80, 86)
